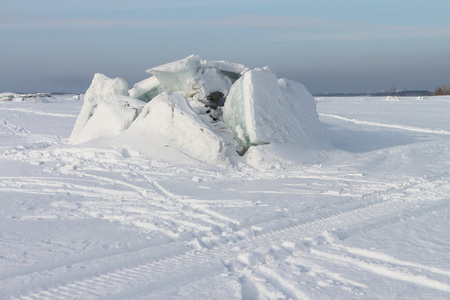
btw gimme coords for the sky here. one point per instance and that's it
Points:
(329, 46)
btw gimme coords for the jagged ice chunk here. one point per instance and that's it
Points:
(107, 110)
(170, 119)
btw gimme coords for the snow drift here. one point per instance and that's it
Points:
(170, 119)
(205, 109)
(107, 110)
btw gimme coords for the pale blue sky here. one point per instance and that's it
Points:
(329, 46)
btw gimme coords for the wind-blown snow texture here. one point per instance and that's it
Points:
(113, 219)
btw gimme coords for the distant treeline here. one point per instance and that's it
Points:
(443, 90)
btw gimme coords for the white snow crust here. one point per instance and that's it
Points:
(138, 216)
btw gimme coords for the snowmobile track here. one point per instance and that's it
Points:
(196, 264)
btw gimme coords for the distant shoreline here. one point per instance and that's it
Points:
(378, 94)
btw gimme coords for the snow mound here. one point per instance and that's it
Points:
(37, 97)
(170, 120)
(4, 97)
(212, 111)
(107, 110)
(391, 98)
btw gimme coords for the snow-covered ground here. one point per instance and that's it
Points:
(371, 220)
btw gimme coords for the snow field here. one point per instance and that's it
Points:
(110, 221)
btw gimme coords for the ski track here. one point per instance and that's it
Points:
(189, 265)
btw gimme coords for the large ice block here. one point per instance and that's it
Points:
(193, 77)
(176, 76)
(146, 89)
(258, 113)
(273, 119)
(231, 70)
(107, 110)
(170, 118)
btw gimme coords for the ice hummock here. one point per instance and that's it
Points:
(278, 116)
(191, 76)
(146, 89)
(4, 97)
(208, 110)
(36, 97)
(107, 110)
(256, 111)
(170, 120)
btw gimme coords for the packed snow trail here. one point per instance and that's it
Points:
(394, 126)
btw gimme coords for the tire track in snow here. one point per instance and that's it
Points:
(196, 264)
(255, 270)
(132, 192)
(158, 189)
(50, 184)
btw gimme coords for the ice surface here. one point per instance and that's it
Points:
(224, 66)
(107, 110)
(170, 119)
(192, 77)
(176, 76)
(232, 70)
(256, 110)
(261, 110)
(146, 90)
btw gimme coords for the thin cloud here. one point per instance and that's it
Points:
(70, 23)
(361, 33)
(266, 21)
(289, 28)
(272, 28)
(241, 21)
